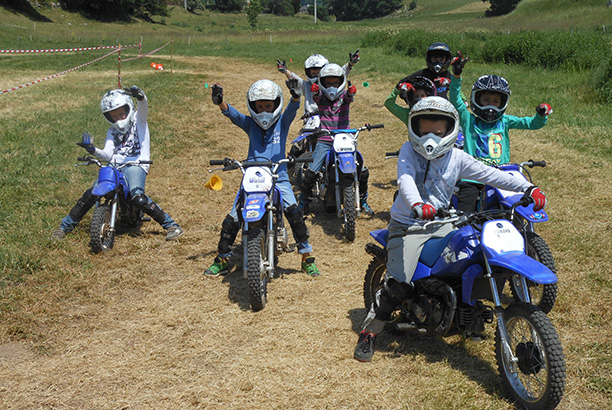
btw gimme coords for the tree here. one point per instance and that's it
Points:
(253, 9)
(279, 7)
(350, 10)
(116, 10)
(500, 7)
(228, 6)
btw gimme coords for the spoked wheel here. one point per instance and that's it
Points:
(542, 296)
(372, 283)
(537, 379)
(256, 272)
(350, 212)
(102, 237)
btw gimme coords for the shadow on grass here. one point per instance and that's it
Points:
(434, 349)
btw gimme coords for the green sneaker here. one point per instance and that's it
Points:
(308, 266)
(219, 267)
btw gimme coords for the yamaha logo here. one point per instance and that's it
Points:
(499, 225)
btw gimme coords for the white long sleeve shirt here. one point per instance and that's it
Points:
(134, 145)
(437, 187)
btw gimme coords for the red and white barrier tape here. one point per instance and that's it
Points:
(56, 50)
(58, 74)
(146, 55)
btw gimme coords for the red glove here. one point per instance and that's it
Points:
(441, 82)
(352, 90)
(424, 211)
(544, 109)
(405, 87)
(314, 88)
(535, 195)
(458, 63)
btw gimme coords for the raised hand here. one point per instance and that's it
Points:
(314, 88)
(135, 92)
(87, 142)
(294, 88)
(544, 109)
(281, 65)
(352, 90)
(354, 58)
(458, 63)
(217, 94)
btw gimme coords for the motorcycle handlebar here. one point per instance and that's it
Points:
(392, 154)
(372, 126)
(531, 163)
(217, 162)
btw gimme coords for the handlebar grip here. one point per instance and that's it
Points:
(371, 126)
(303, 159)
(536, 163)
(146, 162)
(217, 162)
(392, 154)
(83, 159)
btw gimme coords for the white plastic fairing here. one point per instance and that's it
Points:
(501, 236)
(257, 179)
(506, 194)
(344, 143)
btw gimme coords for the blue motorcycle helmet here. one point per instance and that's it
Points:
(482, 107)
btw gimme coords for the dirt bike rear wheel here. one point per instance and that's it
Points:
(256, 273)
(102, 238)
(350, 212)
(542, 296)
(539, 379)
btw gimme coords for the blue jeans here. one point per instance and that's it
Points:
(136, 178)
(288, 200)
(319, 154)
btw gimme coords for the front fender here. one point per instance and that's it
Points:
(347, 163)
(524, 265)
(107, 181)
(254, 207)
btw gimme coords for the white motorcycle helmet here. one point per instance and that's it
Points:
(314, 61)
(265, 90)
(431, 146)
(332, 70)
(113, 100)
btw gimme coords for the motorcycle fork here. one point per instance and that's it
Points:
(114, 209)
(270, 234)
(499, 316)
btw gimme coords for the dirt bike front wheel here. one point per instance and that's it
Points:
(537, 380)
(102, 237)
(256, 272)
(350, 212)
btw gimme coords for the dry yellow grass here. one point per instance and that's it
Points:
(145, 329)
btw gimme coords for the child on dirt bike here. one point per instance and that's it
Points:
(127, 139)
(312, 67)
(486, 130)
(333, 99)
(267, 128)
(411, 91)
(428, 168)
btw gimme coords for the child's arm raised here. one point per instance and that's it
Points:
(217, 97)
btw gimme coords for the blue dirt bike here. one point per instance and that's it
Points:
(261, 213)
(542, 295)
(454, 278)
(338, 181)
(114, 203)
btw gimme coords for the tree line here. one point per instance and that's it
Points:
(341, 10)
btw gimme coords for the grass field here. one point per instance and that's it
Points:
(140, 327)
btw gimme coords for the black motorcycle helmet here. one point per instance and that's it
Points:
(438, 50)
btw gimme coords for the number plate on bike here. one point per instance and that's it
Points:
(344, 143)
